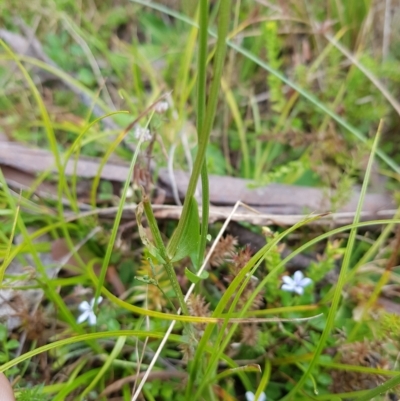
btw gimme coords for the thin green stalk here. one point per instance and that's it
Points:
(6, 260)
(117, 220)
(201, 109)
(205, 212)
(237, 117)
(391, 383)
(264, 379)
(87, 337)
(357, 368)
(225, 113)
(82, 380)
(235, 371)
(233, 365)
(183, 86)
(202, 66)
(106, 364)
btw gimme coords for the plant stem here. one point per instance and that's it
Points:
(201, 109)
(204, 134)
(163, 253)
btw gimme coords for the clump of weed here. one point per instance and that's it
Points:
(370, 354)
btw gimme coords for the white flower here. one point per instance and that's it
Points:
(250, 396)
(296, 284)
(87, 311)
(161, 107)
(142, 132)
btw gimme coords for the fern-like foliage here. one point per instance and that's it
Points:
(32, 394)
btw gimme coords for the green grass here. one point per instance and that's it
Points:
(255, 92)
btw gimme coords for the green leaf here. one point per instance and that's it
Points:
(86, 76)
(12, 344)
(190, 238)
(3, 332)
(113, 325)
(193, 278)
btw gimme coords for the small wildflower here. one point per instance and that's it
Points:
(295, 284)
(161, 107)
(87, 312)
(142, 132)
(251, 396)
